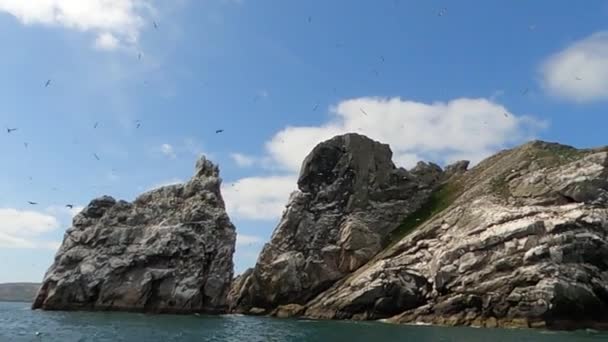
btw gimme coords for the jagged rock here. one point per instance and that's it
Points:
(525, 244)
(289, 310)
(351, 197)
(168, 251)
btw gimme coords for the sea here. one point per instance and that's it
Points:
(19, 323)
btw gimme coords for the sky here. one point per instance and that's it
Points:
(118, 97)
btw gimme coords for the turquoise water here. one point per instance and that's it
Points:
(19, 323)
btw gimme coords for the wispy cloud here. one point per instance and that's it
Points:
(23, 228)
(114, 22)
(579, 72)
(106, 41)
(243, 160)
(168, 151)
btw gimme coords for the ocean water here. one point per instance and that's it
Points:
(19, 323)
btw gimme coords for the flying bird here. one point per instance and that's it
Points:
(9, 130)
(138, 122)
(48, 83)
(315, 107)
(382, 59)
(442, 12)
(32, 203)
(578, 78)
(95, 125)
(219, 131)
(155, 24)
(25, 144)
(309, 19)
(525, 91)
(376, 72)
(139, 56)
(96, 156)
(532, 27)
(506, 115)
(71, 206)
(362, 111)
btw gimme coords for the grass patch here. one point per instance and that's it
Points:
(439, 200)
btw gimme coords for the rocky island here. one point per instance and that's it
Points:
(170, 251)
(519, 240)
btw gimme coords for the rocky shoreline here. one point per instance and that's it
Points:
(519, 240)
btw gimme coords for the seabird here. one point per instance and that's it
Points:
(32, 203)
(578, 78)
(506, 115)
(95, 125)
(139, 56)
(382, 59)
(525, 91)
(96, 156)
(315, 107)
(155, 24)
(218, 131)
(48, 83)
(9, 130)
(309, 19)
(138, 122)
(25, 144)
(71, 206)
(362, 111)
(442, 12)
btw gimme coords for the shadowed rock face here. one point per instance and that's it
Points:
(350, 198)
(168, 251)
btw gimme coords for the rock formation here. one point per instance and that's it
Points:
(168, 251)
(351, 199)
(520, 240)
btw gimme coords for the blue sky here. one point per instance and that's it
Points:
(278, 77)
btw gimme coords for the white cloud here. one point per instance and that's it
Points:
(106, 41)
(195, 147)
(242, 160)
(442, 132)
(121, 19)
(580, 71)
(168, 151)
(259, 198)
(21, 228)
(245, 240)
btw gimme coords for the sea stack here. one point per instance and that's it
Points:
(169, 251)
(350, 200)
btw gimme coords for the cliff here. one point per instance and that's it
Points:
(168, 251)
(350, 203)
(520, 240)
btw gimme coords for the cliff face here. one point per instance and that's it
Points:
(168, 251)
(518, 240)
(351, 199)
